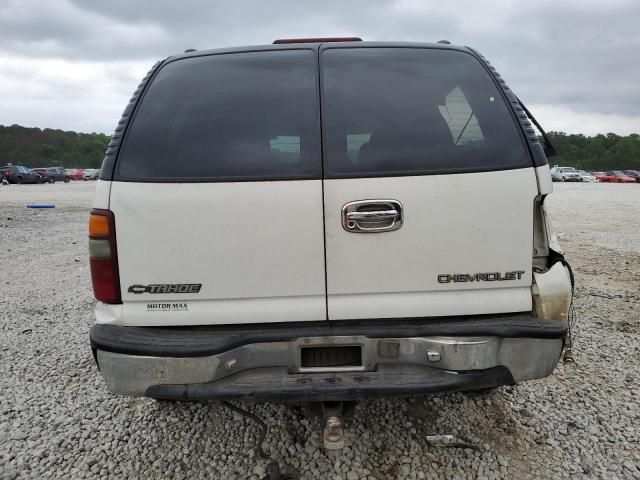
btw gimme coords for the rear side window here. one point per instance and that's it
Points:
(411, 111)
(240, 116)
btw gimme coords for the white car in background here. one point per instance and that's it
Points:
(587, 177)
(91, 174)
(565, 174)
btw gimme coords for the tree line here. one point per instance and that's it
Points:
(600, 152)
(33, 147)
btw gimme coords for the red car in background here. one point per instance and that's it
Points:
(605, 177)
(76, 174)
(622, 177)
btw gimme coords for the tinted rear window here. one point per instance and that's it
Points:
(399, 111)
(241, 116)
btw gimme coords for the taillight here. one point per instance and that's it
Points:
(282, 41)
(103, 256)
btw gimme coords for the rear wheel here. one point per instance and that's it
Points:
(564, 179)
(66, 179)
(52, 180)
(19, 180)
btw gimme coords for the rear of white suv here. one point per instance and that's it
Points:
(324, 221)
(566, 174)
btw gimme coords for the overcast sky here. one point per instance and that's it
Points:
(73, 64)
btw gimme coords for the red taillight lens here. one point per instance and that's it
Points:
(104, 277)
(103, 256)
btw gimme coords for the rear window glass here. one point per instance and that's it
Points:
(240, 116)
(399, 111)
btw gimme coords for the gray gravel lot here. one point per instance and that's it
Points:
(57, 419)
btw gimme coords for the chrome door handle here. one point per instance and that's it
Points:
(372, 216)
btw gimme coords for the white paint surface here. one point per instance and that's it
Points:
(463, 223)
(257, 248)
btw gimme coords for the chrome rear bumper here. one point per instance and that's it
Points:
(389, 366)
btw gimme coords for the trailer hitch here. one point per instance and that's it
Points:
(335, 417)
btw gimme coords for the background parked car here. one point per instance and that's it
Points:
(587, 177)
(622, 177)
(19, 174)
(44, 174)
(91, 174)
(76, 174)
(605, 177)
(565, 174)
(58, 174)
(41, 179)
(634, 174)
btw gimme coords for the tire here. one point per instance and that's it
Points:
(66, 179)
(19, 180)
(564, 179)
(52, 180)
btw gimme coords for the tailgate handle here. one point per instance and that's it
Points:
(372, 216)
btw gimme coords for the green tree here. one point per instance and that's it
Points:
(33, 147)
(600, 152)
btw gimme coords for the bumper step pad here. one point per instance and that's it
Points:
(277, 384)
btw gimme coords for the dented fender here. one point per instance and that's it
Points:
(552, 292)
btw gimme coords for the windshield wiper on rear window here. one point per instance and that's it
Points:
(549, 149)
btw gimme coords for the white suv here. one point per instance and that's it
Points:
(324, 221)
(566, 174)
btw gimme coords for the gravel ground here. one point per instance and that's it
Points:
(57, 419)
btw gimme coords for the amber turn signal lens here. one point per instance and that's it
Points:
(98, 225)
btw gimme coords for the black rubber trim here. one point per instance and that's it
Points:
(276, 384)
(113, 148)
(201, 341)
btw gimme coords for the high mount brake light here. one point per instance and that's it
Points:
(282, 41)
(103, 256)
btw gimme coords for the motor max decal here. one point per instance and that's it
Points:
(167, 307)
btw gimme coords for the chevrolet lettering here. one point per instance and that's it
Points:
(480, 277)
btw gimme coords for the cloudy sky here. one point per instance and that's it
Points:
(73, 64)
